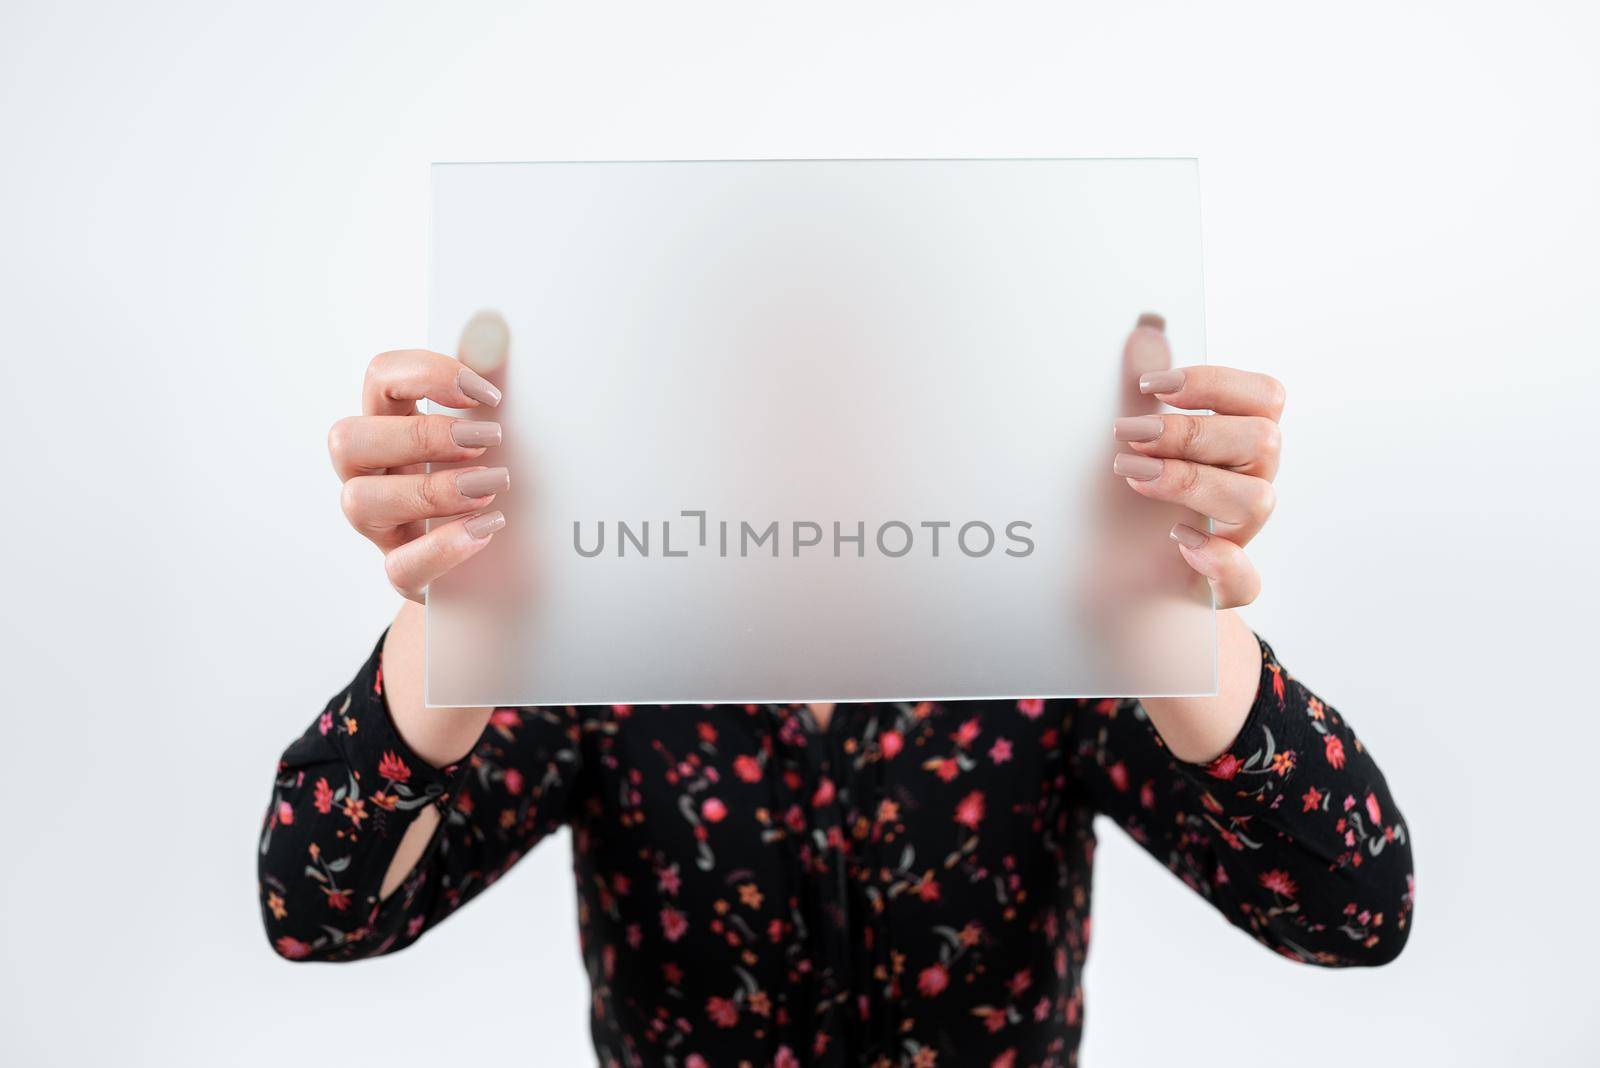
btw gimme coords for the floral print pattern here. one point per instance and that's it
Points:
(910, 886)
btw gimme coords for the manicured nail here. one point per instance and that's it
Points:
(1188, 537)
(1161, 382)
(1139, 468)
(1151, 319)
(481, 526)
(483, 483)
(1139, 428)
(477, 387)
(473, 435)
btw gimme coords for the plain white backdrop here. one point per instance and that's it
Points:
(212, 214)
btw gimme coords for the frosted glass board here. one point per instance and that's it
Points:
(817, 430)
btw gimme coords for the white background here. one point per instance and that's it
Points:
(214, 214)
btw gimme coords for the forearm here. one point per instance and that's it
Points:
(1199, 729)
(347, 793)
(441, 736)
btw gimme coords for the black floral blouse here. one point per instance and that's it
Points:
(909, 886)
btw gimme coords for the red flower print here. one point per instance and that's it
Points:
(1333, 749)
(513, 781)
(933, 979)
(890, 743)
(355, 809)
(1000, 751)
(1374, 813)
(747, 768)
(785, 1058)
(1032, 707)
(393, 768)
(325, 722)
(966, 734)
(1279, 883)
(1313, 800)
(708, 733)
(1118, 773)
(338, 900)
(713, 810)
(969, 813)
(387, 802)
(1225, 766)
(947, 770)
(928, 889)
(292, 948)
(1008, 1059)
(285, 813)
(824, 794)
(723, 1013)
(324, 797)
(673, 924)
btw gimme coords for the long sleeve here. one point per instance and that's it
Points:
(349, 787)
(1291, 833)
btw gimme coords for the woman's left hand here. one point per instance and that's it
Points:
(1221, 465)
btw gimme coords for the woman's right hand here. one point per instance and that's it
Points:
(380, 457)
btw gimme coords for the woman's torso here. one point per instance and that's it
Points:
(911, 884)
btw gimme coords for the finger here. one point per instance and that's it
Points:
(1249, 444)
(412, 566)
(367, 444)
(376, 504)
(1224, 390)
(1234, 579)
(1242, 502)
(397, 380)
(1146, 349)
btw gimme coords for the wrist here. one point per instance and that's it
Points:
(441, 736)
(1199, 729)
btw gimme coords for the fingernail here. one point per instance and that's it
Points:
(477, 387)
(1140, 468)
(1139, 428)
(473, 435)
(481, 526)
(1161, 382)
(1151, 319)
(483, 483)
(1187, 536)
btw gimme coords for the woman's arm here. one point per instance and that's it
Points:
(353, 791)
(1198, 729)
(440, 736)
(1290, 831)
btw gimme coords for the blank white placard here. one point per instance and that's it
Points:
(720, 373)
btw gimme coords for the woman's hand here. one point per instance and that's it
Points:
(1221, 465)
(380, 454)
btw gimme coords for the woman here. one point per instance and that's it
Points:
(873, 884)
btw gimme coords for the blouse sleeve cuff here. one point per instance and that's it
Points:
(389, 771)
